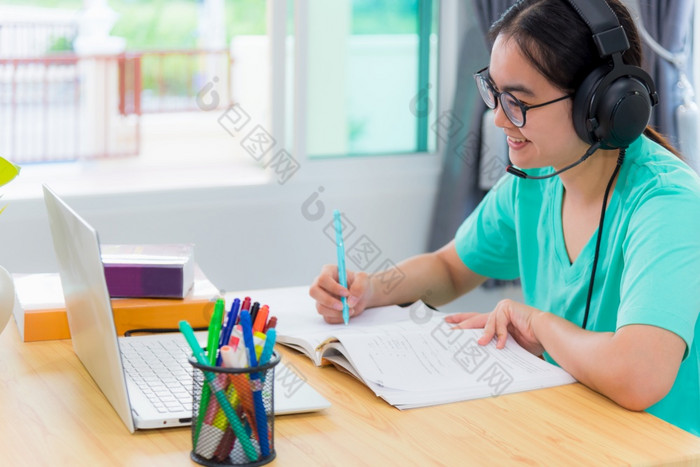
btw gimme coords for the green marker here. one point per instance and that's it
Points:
(214, 331)
(212, 344)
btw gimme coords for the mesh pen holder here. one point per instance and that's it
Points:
(235, 425)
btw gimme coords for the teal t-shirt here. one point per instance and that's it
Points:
(649, 266)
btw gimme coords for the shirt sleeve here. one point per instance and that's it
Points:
(486, 241)
(661, 279)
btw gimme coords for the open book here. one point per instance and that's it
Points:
(410, 356)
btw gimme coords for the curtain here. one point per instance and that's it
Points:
(460, 127)
(670, 23)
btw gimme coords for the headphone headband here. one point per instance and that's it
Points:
(608, 35)
(613, 104)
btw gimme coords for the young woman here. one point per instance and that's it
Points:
(633, 336)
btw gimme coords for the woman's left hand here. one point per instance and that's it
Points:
(509, 317)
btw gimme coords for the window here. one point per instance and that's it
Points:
(370, 70)
(358, 78)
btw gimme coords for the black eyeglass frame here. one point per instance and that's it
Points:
(479, 77)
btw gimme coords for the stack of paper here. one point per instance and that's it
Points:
(412, 364)
(410, 356)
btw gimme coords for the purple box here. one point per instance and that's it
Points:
(151, 271)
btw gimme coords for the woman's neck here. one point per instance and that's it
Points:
(586, 183)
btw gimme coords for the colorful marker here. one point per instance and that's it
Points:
(260, 414)
(212, 347)
(254, 308)
(261, 319)
(233, 419)
(231, 317)
(271, 323)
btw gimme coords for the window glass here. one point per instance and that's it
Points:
(372, 73)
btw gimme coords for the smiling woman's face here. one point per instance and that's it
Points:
(548, 137)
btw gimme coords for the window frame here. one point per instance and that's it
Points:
(356, 165)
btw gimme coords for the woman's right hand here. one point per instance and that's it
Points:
(327, 291)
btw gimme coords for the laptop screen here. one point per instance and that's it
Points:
(88, 306)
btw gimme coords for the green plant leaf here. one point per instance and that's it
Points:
(8, 171)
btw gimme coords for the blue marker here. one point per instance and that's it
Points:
(266, 354)
(342, 275)
(228, 327)
(255, 383)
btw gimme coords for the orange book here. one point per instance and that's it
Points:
(40, 311)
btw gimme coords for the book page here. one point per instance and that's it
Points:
(436, 362)
(300, 324)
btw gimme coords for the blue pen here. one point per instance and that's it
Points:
(255, 383)
(228, 327)
(342, 275)
(219, 392)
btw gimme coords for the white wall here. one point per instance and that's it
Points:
(245, 237)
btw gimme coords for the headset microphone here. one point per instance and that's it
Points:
(519, 173)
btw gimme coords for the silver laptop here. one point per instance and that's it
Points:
(110, 359)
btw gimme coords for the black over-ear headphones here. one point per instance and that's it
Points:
(613, 104)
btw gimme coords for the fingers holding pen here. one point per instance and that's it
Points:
(328, 281)
(360, 290)
(327, 292)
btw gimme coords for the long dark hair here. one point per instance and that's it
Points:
(559, 44)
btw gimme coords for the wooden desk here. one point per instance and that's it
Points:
(53, 414)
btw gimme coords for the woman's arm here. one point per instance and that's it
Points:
(437, 278)
(634, 366)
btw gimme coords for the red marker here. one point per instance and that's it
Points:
(271, 323)
(244, 306)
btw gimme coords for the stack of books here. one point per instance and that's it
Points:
(151, 286)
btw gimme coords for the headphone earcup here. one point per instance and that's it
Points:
(623, 112)
(613, 106)
(583, 101)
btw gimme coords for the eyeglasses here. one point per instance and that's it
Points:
(514, 109)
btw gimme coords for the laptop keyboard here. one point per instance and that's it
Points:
(161, 370)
